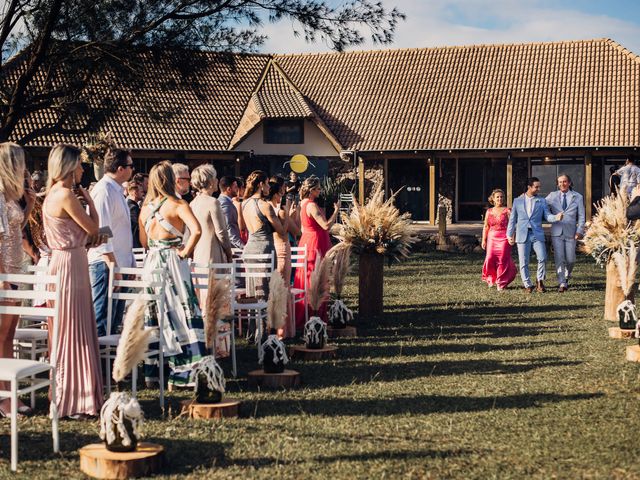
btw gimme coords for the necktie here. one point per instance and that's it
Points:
(564, 201)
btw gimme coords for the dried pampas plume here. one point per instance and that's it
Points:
(216, 307)
(340, 256)
(625, 261)
(319, 288)
(277, 303)
(133, 342)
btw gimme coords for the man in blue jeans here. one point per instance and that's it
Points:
(111, 205)
(525, 229)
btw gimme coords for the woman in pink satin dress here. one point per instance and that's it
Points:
(67, 227)
(499, 268)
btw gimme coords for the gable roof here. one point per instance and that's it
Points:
(535, 95)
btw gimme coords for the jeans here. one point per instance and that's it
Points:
(564, 255)
(524, 253)
(99, 275)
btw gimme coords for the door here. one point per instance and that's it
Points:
(477, 178)
(410, 178)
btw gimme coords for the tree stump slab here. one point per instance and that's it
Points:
(98, 462)
(633, 353)
(227, 408)
(304, 353)
(346, 332)
(286, 379)
(617, 332)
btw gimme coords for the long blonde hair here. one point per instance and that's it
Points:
(162, 182)
(309, 184)
(12, 165)
(63, 160)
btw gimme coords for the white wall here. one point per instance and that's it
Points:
(315, 143)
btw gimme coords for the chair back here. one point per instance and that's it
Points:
(299, 260)
(200, 274)
(255, 265)
(27, 284)
(140, 255)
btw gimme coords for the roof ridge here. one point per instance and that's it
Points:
(623, 50)
(447, 47)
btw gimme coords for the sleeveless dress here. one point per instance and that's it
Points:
(318, 242)
(183, 333)
(283, 256)
(78, 376)
(11, 218)
(260, 241)
(499, 268)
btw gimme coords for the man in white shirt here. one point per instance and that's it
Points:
(111, 205)
(629, 175)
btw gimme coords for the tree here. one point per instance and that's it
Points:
(52, 50)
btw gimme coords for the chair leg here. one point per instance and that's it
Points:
(234, 365)
(108, 370)
(14, 424)
(33, 377)
(134, 381)
(161, 375)
(53, 412)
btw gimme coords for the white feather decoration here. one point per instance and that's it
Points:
(133, 342)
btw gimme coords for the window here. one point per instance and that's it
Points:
(284, 131)
(547, 170)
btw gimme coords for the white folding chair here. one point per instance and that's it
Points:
(140, 254)
(254, 266)
(17, 370)
(222, 271)
(299, 260)
(345, 204)
(31, 339)
(147, 286)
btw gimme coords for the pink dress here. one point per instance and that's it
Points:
(317, 241)
(499, 268)
(78, 377)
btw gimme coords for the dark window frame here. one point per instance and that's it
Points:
(269, 137)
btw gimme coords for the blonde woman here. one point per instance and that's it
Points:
(67, 227)
(12, 220)
(163, 219)
(499, 268)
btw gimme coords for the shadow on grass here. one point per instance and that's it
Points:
(393, 455)
(415, 405)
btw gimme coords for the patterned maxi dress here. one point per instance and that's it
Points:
(183, 334)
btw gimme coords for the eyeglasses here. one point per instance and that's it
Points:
(129, 165)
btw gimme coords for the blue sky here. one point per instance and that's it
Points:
(463, 22)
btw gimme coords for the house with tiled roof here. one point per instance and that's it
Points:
(447, 125)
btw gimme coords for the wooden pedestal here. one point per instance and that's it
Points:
(617, 332)
(304, 353)
(633, 353)
(613, 293)
(346, 332)
(227, 408)
(286, 379)
(98, 462)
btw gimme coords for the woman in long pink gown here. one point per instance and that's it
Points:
(67, 226)
(499, 268)
(315, 236)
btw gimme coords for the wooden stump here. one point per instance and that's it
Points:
(370, 285)
(346, 332)
(227, 408)
(304, 353)
(633, 353)
(613, 293)
(286, 379)
(98, 462)
(617, 332)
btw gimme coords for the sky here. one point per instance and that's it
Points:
(434, 23)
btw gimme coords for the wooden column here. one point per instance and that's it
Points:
(509, 181)
(588, 194)
(433, 197)
(360, 181)
(385, 165)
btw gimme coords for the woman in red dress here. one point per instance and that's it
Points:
(315, 236)
(499, 268)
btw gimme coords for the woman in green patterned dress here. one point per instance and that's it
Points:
(163, 219)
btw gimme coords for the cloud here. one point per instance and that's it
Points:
(465, 22)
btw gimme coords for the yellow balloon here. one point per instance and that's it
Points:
(299, 163)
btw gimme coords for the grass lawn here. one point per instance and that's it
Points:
(455, 381)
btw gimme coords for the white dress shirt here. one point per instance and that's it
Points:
(529, 204)
(111, 205)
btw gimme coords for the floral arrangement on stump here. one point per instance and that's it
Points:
(375, 231)
(121, 416)
(315, 330)
(609, 233)
(339, 314)
(95, 150)
(206, 375)
(272, 353)
(625, 261)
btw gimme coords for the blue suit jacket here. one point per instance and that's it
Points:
(520, 222)
(574, 217)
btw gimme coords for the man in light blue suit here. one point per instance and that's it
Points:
(525, 229)
(565, 232)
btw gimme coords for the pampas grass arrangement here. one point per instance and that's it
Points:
(133, 342)
(217, 306)
(625, 261)
(377, 227)
(277, 302)
(339, 313)
(318, 292)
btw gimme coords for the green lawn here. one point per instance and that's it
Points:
(455, 381)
